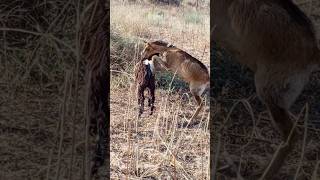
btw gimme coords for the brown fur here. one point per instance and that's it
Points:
(183, 64)
(144, 79)
(276, 40)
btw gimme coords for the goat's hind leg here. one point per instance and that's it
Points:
(140, 95)
(151, 99)
(197, 91)
(278, 97)
(200, 105)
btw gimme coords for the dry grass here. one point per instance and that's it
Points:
(160, 146)
(244, 139)
(185, 27)
(42, 114)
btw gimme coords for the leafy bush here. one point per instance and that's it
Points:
(193, 17)
(166, 79)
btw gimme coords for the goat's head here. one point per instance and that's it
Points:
(148, 51)
(153, 48)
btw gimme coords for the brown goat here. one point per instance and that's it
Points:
(276, 40)
(144, 79)
(187, 67)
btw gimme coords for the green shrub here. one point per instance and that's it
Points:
(155, 17)
(164, 80)
(193, 18)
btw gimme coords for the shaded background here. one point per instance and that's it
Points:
(43, 93)
(248, 139)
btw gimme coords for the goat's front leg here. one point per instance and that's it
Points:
(278, 97)
(140, 94)
(161, 61)
(151, 99)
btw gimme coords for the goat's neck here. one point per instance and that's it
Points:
(162, 49)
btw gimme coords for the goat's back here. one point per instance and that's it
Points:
(263, 32)
(188, 67)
